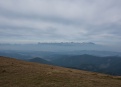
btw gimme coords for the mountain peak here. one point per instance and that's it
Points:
(91, 43)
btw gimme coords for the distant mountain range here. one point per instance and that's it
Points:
(55, 47)
(109, 65)
(83, 56)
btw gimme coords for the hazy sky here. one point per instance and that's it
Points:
(25, 21)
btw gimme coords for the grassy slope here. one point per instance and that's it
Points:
(16, 73)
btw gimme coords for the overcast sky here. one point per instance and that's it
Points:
(32, 21)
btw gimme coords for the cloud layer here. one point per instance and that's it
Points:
(25, 21)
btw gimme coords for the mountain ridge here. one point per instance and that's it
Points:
(110, 65)
(40, 60)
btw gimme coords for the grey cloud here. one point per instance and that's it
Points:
(64, 20)
(37, 17)
(28, 32)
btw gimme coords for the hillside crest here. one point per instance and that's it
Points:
(19, 73)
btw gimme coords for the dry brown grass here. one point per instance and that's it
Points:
(17, 73)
